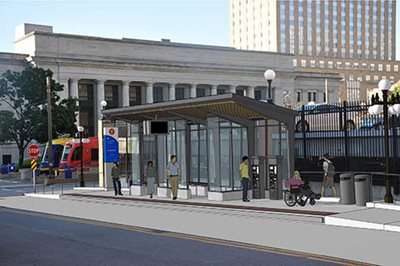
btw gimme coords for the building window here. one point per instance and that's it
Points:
(111, 96)
(330, 64)
(312, 63)
(367, 77)
(298, 96)
(157, 94)
(312, 96)
(220, 91)
(388, 68)
(303, 63)
(295, 62)
(376, 77)
(380, 67)
(200, 92)
(240, 92)
(257, 95)
(135, 95)
(396, 68)
(179, 93)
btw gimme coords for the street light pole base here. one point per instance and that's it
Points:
(388, 198)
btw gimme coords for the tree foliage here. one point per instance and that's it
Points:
(25, 94)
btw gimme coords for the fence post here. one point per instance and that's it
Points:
(395, 165)
(346, 137)
(303, 125)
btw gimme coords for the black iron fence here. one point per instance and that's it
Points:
(348, 133)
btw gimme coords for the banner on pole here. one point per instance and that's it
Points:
(111, 147)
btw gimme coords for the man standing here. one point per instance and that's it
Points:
(244, 176)
(329, 173)
(115, 173)
(174, 174)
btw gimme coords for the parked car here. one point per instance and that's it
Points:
(323, 117)
(376, 121)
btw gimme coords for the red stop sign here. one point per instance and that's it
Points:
(33, 150)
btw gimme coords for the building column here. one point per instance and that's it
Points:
(250, 92)
(73, 93)
(213, 89)
(149, 92)
(125, 93)
(193, 91)
(172, 91)
(65, 93)
(232, 89)
(100, 97)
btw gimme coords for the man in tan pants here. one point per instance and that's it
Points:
(174, 174)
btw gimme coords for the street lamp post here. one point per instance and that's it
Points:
(49, 128)
(80, 130)
(269, 75)
(377, 107)
(103, 104)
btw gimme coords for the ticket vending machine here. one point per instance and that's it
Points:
(274, 177)
(257, 171)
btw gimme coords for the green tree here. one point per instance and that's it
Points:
(25, 94)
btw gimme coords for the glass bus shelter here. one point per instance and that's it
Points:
(209, 136)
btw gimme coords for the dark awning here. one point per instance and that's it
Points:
(229, 106)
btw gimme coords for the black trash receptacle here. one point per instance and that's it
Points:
(361, 189)
(68, 173)
(347, 189)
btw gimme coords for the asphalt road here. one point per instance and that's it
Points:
(16, 187)
(29, 238)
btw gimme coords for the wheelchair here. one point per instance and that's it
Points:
(293, 196)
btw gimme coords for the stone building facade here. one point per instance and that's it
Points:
(127, 72)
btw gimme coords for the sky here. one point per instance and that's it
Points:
(187, 21)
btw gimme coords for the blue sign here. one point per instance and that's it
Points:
(111, 151)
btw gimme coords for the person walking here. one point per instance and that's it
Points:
(115, 173)
(244, 177)
(150, 177)
(329, 173)
(174, 174)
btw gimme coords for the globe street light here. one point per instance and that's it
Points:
(103, 104)
(377, 108)
(80, 130)
(269, 75)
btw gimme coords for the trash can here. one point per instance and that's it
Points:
(361, 189)
(68, 173)
(12, 168)
(4, 169)
(347, 189)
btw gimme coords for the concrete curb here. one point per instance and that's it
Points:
(91, 189)
(214, 205)
(43, 196)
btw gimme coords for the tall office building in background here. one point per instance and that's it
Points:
(353, 37)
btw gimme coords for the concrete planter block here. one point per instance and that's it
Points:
(202, 191)
(198, 190)
(229, 195)
(138, 190)
(163, 192)
(184, 194)
(26, 173)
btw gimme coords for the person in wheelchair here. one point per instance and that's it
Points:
(296, 182)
